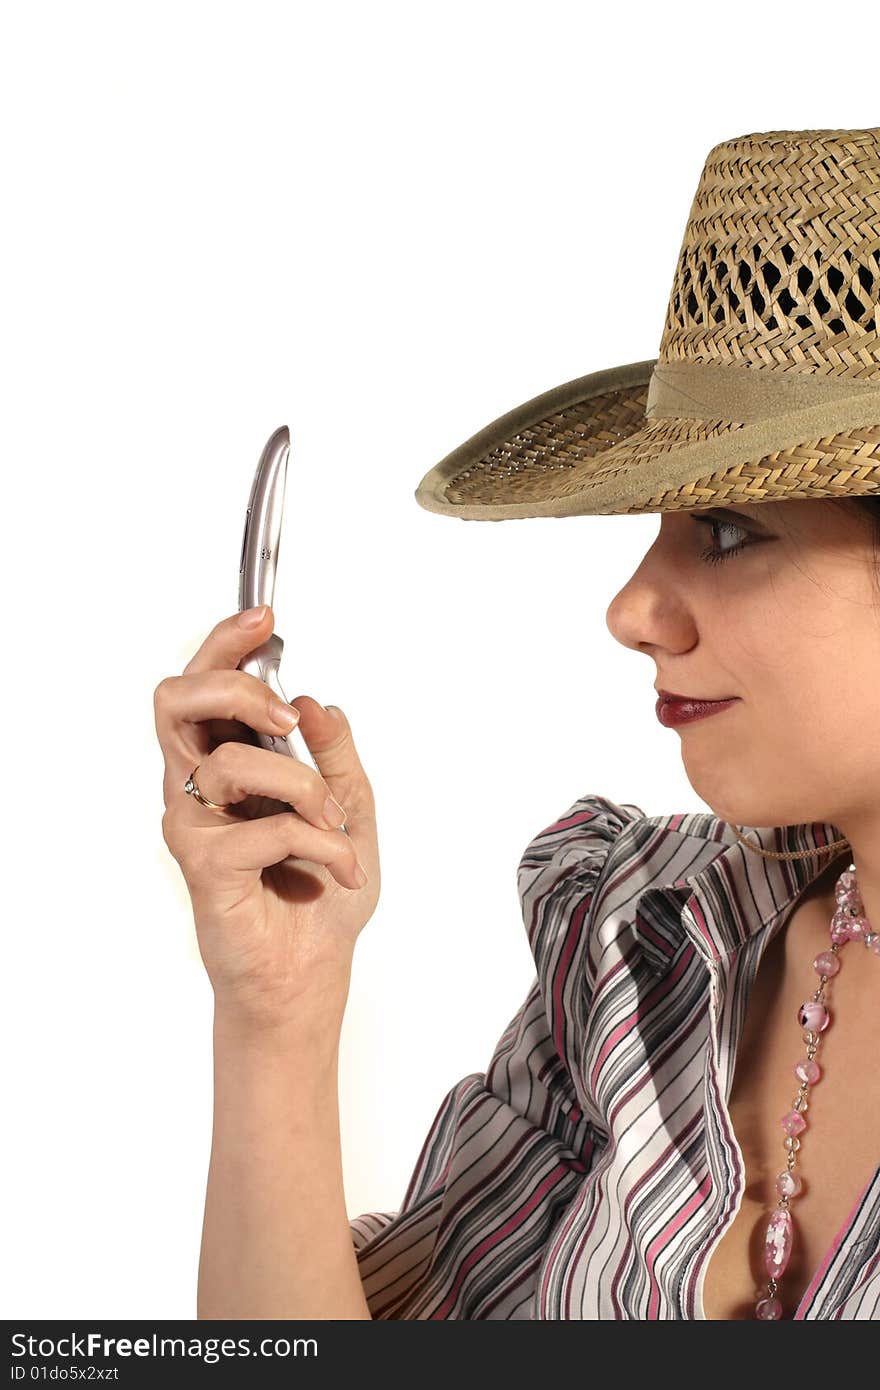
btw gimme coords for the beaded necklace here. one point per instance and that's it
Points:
(848, 924)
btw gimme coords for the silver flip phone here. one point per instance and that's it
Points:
(256, 581)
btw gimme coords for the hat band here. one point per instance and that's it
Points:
(722, 391)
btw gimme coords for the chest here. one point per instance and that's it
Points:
(840, 1147)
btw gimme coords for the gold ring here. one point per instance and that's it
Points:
(191, 788)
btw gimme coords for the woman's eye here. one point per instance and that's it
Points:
(714, 557)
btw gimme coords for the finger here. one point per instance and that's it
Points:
(244, 848)
(228, 642)
(216, 650)
(329, 739)
(328, 735)
(235, 771)
(185, 704)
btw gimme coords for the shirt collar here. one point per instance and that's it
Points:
(734, 892)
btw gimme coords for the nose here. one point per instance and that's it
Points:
(651, 612)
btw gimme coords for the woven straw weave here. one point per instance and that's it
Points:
(779, 270)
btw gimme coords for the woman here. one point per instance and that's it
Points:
(645, 1142)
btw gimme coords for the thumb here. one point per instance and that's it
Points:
(330, 741)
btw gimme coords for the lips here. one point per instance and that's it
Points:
(678, 710)
(694, 699)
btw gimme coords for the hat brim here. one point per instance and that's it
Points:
(587, 447)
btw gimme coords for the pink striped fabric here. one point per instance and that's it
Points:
(592, 1169)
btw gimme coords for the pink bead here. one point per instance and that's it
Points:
(847, 924)
(826, 963)
(847, 883)
(808, 1071)
(858, 925)
(814, 1016)
(768, 1309)
(777, 1243)
(841, 924)
(793, 1122)
(788, 1184)
(850, 897)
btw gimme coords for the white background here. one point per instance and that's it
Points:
(384, 225)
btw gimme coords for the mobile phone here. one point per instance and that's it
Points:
(256, 582)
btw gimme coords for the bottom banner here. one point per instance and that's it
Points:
(267, 1353)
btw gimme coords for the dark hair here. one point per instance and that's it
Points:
(868, 506)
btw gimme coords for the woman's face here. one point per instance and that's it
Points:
(790, 625)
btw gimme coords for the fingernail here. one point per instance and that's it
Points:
(333, 812)
(283, 714)
(359, 874)
(252, 617)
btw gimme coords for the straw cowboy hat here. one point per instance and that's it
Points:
(767, 381)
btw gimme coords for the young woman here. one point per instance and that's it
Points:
(668, 1127)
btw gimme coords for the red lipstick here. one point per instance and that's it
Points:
(674, 709)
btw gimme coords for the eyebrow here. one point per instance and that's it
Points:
(724, 514)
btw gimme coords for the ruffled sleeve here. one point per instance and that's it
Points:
(508, 1148)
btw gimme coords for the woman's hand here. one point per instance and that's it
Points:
(276, 940)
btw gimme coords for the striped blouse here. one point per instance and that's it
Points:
(591, 1171)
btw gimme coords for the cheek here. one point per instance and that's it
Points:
(851, 701)
(795, 695)
(820, 716)
(811, 646)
